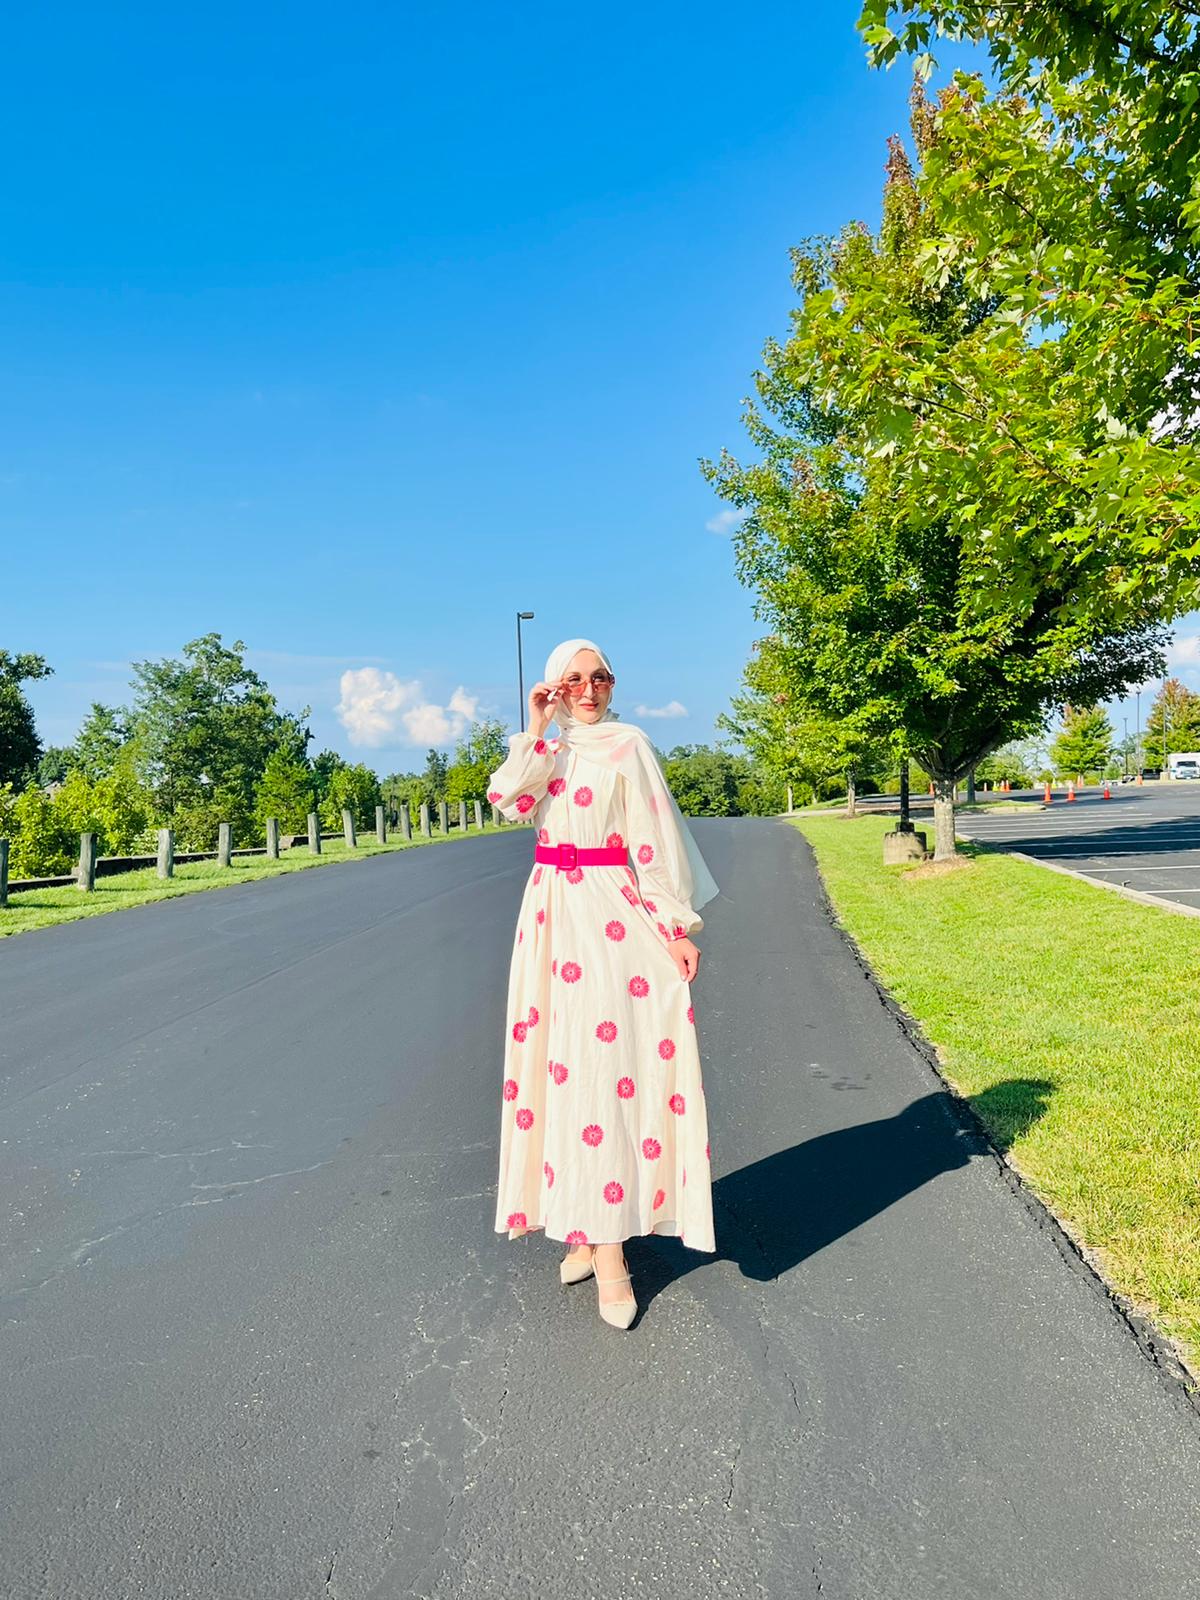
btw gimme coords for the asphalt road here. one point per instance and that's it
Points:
(259, 1340)
(1145, 838)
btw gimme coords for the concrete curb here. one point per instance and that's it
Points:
(1139, 895)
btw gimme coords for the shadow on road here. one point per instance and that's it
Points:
(773, 1215)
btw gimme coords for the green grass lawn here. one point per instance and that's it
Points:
(1070, 1019)
(41, 908)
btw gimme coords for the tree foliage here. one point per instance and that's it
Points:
(1084, 743)
(20, 746)
(1175, 708)
(1074, 200)
(915, 592)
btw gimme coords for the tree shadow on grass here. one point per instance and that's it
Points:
(774, 1214)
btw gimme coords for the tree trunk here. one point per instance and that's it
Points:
(851, 807)
(943, 819)
(971, 786)
(905, 819)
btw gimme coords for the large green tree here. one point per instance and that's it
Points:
(898, 610)
(1074, 199)
(1176, 712)
(20, 746)
(203, 728)
(481, 750)
(102, 736)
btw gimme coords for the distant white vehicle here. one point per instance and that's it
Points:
(1184, 764)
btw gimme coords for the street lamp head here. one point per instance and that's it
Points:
(526, 616)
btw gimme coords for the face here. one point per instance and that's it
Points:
(586, 701)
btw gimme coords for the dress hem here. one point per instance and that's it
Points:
(668, 1230)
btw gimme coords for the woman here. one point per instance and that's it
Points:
(604, 1134)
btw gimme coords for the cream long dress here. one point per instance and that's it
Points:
(603, 1133)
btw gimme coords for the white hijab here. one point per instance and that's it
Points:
(627, 748)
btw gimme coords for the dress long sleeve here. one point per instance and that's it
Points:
(657, 854)
(519, 784)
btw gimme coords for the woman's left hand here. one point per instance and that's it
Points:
(686, 957)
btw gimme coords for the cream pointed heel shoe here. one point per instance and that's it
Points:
(574, 1269)
(619, 1313)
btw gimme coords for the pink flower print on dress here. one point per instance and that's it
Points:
(571, 972)
(543, 835)
(645, 854)
(606, 1032)
(525, 1118)
(520, 1029)
(516, 1219)
(525, 802)
(663, 931)
(560, 1072)
(666, 1048)
(592, 1134)
(549, 1171)
(651, 1149)
(629, 894)
(650, 906)
(557, 785)
(625, 1088)
(510, 1088)
(691, 1014)
(615, 931)
(582, 796)
(659, 1197)
(707, 1157)
(614, 1193)
(575, 875)
(554, 967)
(577, 1236)
(614, 841)
(678, 931)
(520, 934)
(638, 987)
(537, 875)
(495, 796)
(534, 1017)
(541, 916)
(676, 1104)
(540, 747)
(631, 874)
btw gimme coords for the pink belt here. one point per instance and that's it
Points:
(566, 857)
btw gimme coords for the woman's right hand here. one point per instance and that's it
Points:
(541, 707)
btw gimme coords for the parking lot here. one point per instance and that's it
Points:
(1144, 838)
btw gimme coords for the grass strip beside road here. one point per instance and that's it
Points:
(42, 908)
(1070, 1019)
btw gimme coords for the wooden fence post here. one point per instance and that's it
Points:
(443, 816)
(497, 819)
(348, 828)
(166, 853)
(85, 878)
(462, 815)
(3, 872)
(225, 845)
(479, 815)
(380, 825)
(405, 820)
(314, 834)
(272, 838)
(425, 818)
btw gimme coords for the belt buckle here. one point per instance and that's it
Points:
(567, 858)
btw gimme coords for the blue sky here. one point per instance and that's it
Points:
(351, 331)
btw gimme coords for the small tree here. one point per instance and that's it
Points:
(1175, 712)
(99, 741)
(356, 789)
(1084, 743)
(20, 747)
(478, 755)
(285, 791)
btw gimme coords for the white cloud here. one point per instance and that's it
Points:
(1184, 651)
(377, 708)
(672, 709)
(725, 521)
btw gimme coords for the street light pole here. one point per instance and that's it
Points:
(522, 616)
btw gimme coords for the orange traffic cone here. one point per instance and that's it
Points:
(1047, 797)
(1140, 779)
(1107, 792)
(1070, 789)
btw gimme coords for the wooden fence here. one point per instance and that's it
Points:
(91, 866)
